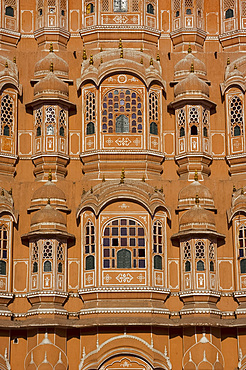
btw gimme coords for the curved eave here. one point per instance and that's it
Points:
(233, 82)
(181, 234)
(182, 100)
(46, 232)
(235, 211)
(97, 206)
(119, 66)
(42, 99)
(10, 211)
(9, 80)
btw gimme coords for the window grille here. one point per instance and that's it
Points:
(7, 115)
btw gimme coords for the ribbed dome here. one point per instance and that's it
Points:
(191, 85)
(240, 200)
(48, 215)
(11, 70)
(48, 191)
(183, 66)
(51, 84)
(42, 67)
(197, 218)
(187, 196)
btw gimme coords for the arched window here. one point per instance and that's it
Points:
(122, 124)
(124, 235)
(40, 12)
(90, 128)
(62, 122)
(205, 132)
(35, 267)
(200, 266)
(2, 268)
(150, 9)
(50, 130)
(177, 14)
(236, 115)
(229, 14)
(187, 266)
(89, 8)
(120, 5)
(181, 132)
(3, 242)
(6, 130)
(157, 262)
(38, 132)
(59, 268)
(200, 255)
(153, 128)
(243, 266)
(7, 115)
(122, 109)
(193, 130)
(242, 248)
(9, 11)
(47, 266)
(61, 131)
(237, 131)
(89, 263)
(124, 259)
(211, 266)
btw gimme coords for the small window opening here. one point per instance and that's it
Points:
(193, 130)
(182, 132)
(229, 14)
(35, 267)
(59, 267)
(150, 9)
(200, 266)
(38, 133)
(188, 11)
(187, 266)
(158, 263)
(6, 130)
(9, 11)
(237, 131)
(90, 128)
(47, 266)
(205, 132)
(177, 13)
(40, 12)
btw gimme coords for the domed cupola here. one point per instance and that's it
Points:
(49, 191)
(198, 240)
(197, 218)
(51, 85)
(187, 196)
(42, 67)
(50, 108)
(48, 218)
(182, 68)
(191, 85)
(192, 108)
(48, 241)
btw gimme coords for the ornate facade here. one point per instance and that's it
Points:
(122, 184)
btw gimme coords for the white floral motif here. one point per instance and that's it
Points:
(120, 19)
(124, 278)
(123, 141)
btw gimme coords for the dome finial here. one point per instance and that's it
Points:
(120, 44)
(84, 55)
(51, 48)
(103, 179)
(234, 189)
(91, 60)
(141, 61)
(2, 192)
(121, 53)
(235, 66)
(143, 178)
(192, 68)
(122, 176)
(51, 67)
(189, 49)
(196, 176)
(228, 61)
(50, 176)
(151, 62)
(6, 64)
(14, 60)
(48, 201)
(197, 199)
(242, 191)
(158, 57)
